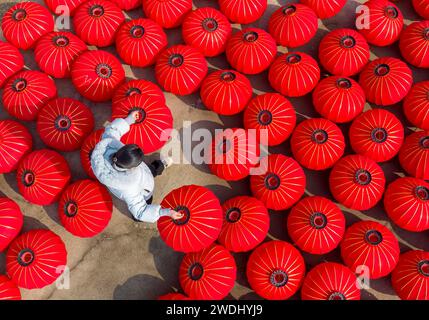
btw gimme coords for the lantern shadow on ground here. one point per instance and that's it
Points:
(236, 188)
(141, 287)
(345, 18)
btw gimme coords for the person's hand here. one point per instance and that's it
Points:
(175, 215)
(135, 114)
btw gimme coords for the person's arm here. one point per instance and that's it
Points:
(120, 127)
(149, 212)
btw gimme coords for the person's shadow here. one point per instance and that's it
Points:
(141, 287)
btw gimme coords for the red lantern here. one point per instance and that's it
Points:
(136, 87)
(15, 142)
(385, 22)
(243, 11)
(245, 225)
(11, 61)
(369, 244)
(422, 8)
(96, 75)
(275, 270)
(8, 289)
(56, 51)
(208, 274)
(140, 41)
(316, 225)
(153, 127)
(86, 151)
(325, 8)
(167, 13)
(330, 281)
(226, 92)
(173, 296)
(11, 221)
(286, 74)
(24, 24)
(26, 93)
(97, 21)
(63, 123)
(410, 279)
(414, 155)
(406, 202)
(42, 176)
(256, 45)
(63, 7)
(36, 259)
(181, 69)
(127, 5)
(357, 182)
(386, 81)
(317, 143)
(414, 44)
(376, 134)
(201, 223)
(271, 112)
(293, 25)
(339, 99)
(282, 184)
(207, 30)
(85, 208)
(416, 105)
(344, 52)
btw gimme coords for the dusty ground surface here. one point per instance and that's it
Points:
(129, 260)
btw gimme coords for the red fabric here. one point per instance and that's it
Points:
(127, 5)
(410, 279)
(154, 126)
(24, 24)
(226, 92)
(357, 182)
(11, 221)
(26, 93)
(173, 296)
(208, 274)
(385, 22)
(97, 21)
(201, 223)
(64, 123)
(85, 208)
(422, 8)
(406, 202)
(271, 112)
(275, 270)
(414, 155)
(181, 69)
(325, 8)
(42, 175)
(344, 52)
(207, 30)
(11, 61)
(8, 289)
(86, 150)
(96, 75)
(414, 44)
(71, 5)
(36, 259)
(330, 281)
(167, 13)
(316, 225)
(283, 183)
(370, 244)
(339, 99)
(386, 81)
(257, 45)
(140, 41)
(376, 134)
(137, 86)
(16, 141)
(293, 25)
(416, 105)
(245, 223)
(56, 51)
(317, 143)
(285, 74)
(243, 11)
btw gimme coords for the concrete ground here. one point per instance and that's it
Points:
(129, 260)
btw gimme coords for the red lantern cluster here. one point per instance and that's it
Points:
(414, 155)
(11, 220)
(167, 13)
(86, 150)
(11, 61)
(414, 44)
(416, 105)
(325, 8)
(8, 289)
(243, 11)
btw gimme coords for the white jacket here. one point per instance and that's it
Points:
(134, 186)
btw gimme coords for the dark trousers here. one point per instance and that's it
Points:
(157, 168)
